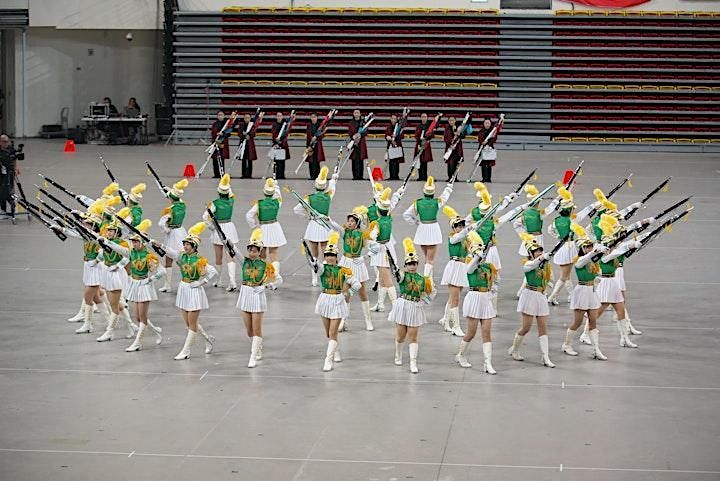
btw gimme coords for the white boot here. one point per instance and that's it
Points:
(95, 309)
(209, 340)
(218, 279)
(514, 350)
(632, 330)
(81, 313)
(344, 323)
(158, 332)
(624, 336)
(413, 348)
(332, 345)
(186, 350)
(109, 333)
(444, 319)
(398, 353)
(597, 354)
(168, 279)
(278, 277)
(105, 309)
(368, 317)
(569, 289)
(545, 352)
(232, 283)
(380, 305)
(460, 356)
(556, 289)
(585, 337)
(392, 295)
(487, 353)
(314, 281)
(87, 321)
(138, 342)
(253, 351)
(132, 328)
(455, 322)
(428, 270)
(259, 353)
(336, 355)
(567, 346)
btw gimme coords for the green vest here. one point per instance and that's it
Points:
(224, 208)
(90, 250)
(140, 262)
(533, 221)
(136, 212)
(562, 226)
(412, 286)
(177, 214)
(320, 201)
(385, 227)
(596, 228)
(535, 278)
(111, 258)
(353, 242)
(487, 229)
(268, 210)
(189, 267)
(621, 260)
(588, 273)
(253, 271)
(609, 268)
(427, 209)
(333, 277)
(457, 250)
(481, 277)
(372, 213)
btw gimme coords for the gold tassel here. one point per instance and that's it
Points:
(666, 188)
(629, 183)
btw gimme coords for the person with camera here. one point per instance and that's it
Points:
(9, 169)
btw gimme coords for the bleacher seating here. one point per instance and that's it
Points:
(576, 76)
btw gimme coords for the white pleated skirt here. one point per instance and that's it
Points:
(191, 299)
(428, 235)
(332, 306)
(316, 232)
(273, 235)
(251, 301)
(608, 290)
(620, 276)
(175, 238)
(584, 298)
(493, 257)
(230, 232)
(479, 305)
(407, 313)
(114, 280)
(533, 303)
(566, 255)
(523, 252)
(357, 264)
(135, 291)
(380, 259)
(455, 274)
(92, 274)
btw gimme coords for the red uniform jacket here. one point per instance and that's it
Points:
(427, 152)
(250, 151)
(482, 133)
(389, 131)
(448, 136)
(214, 131)
(276, 126)
(312, 129)
(359, 152)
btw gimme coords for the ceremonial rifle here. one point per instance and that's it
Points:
(651, 236)
(322, 128)
(250, 129)
(397, 132)
(554, 250)
(612, 192)
(648, 197)
(160, 251)
(393, 265)
(83, 200)
(421, 148)
(123, 194)
(282, 135)
(459, 134)
(221, 137)
(163, 189)
(664, 212)
(218, 229)
(73, 217)
(35, 211)
(477, 158)
(309, 257)
(59, 216)
(556, 201)
(519, 209)
(312, 213)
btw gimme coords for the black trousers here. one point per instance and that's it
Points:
(394, 165)
(279, 169)
(451, 167)
(314, 167)
(247, 166)
(357, 168)
(7, 187)
(486, 170)
(422, 171)
(218, 166)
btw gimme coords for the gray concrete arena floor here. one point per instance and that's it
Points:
(75, 409)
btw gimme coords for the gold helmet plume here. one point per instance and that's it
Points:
(269, 187)
(224, 185)
(410, 252)
(321, 182)
(530, 191)
(332, 243)
(178, 189)
(256, 238)
(608, 224)
(111, 189)
(604, 201)
(452, 215)
(124, 212)
(566, 198)
(429, 187)
(136, 192)
(383, 201)
(194, 234)
(143, 227)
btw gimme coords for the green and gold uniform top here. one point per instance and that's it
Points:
(192, 266)
(141, 262)
(333, 278)
(176, 211)
(384, 223)
(372, 212)
(320, 201)
(586, 275)
(457, 252)
(353, 242)
(532, 220)
(427, 209)
(224, 208)
(481, 279)
(608, 268)
(136, 212)
(256, 272)
(537, 279)
(111, 258)
(595, 221)
(562, 227)
(413, 286)
(487, 229)
(91, 249)
(268, 209)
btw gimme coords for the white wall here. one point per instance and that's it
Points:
(97, 14)
(60, 72)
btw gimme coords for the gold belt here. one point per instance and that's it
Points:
(268, 221)
(251, 284)
(459, 259)
(174, 226)
(383, 241)
(138, 278)
(607, 275)
(224, 221)
(537, 289)
(480, 289)
(409, 298)
(188, 281)
(352, 256)
(535, 233)
(332, 291)
(586, 283)
(428, 221)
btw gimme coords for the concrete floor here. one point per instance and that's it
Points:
(75, 409)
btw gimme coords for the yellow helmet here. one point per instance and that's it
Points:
(383, 201)
(321, 182)
(410, 252)
(256, 238)
(531, 243)
(194, 234)
(429, 187)
(452, 215)
(269, 187)
(224, 185)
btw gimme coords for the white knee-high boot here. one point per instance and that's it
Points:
(428, 270)
(597, 354)
(166, 287)
(157, 330)
(132, 328)
(398, 353)
(460, 357)
(218, 279)
(455, 322)
(109, 333)
(585, 336)
(276, 266)
(392, 295)
(444, 319)
(567, 346)
(138, 342)
(514, 350)
(380, 305)
(187, 347)
(569, 289)
(556, 289)
(545, 351)
(631, 329)
(368, 317)
(413, 348)
(87, 321)
(254, 348)
(209, 340)
(336, 355)
(81, 313)
(329, 355)
(622, 325)
(487, 354)
(232, 270)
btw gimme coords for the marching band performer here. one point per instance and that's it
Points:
(264, 214)
(223, 152)
(448, 136)
(171, 224)
(359, 153)
(331, 305)
(455, 273)
(316, 234)
(382, 234)
(423, 213)
(222, 207)
(560, 229)
(257, 276)
(478, 304)
(426, 156)
(372, 216)
(395, 156)
(408, 313)
(134, 213)
(317, 154)
(279, 164)
(250, 153)
(191, 297)
(533, 304)
(530, 222)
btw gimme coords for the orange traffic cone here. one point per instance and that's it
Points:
(377, 174)
(70, 146)
(189, 170)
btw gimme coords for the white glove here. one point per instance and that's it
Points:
(113, 267)
(101, 239)
(636, 205)
(92, 262)
(273, 285)
(196, 284)
(649, 220)
(259, 289)
(546, 256)
(351, 292)
(147, 281)
(427, 300)
(601, 248)
(373, 249)
(401, 190)
(637, 244)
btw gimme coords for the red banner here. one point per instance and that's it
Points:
(608, 3)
